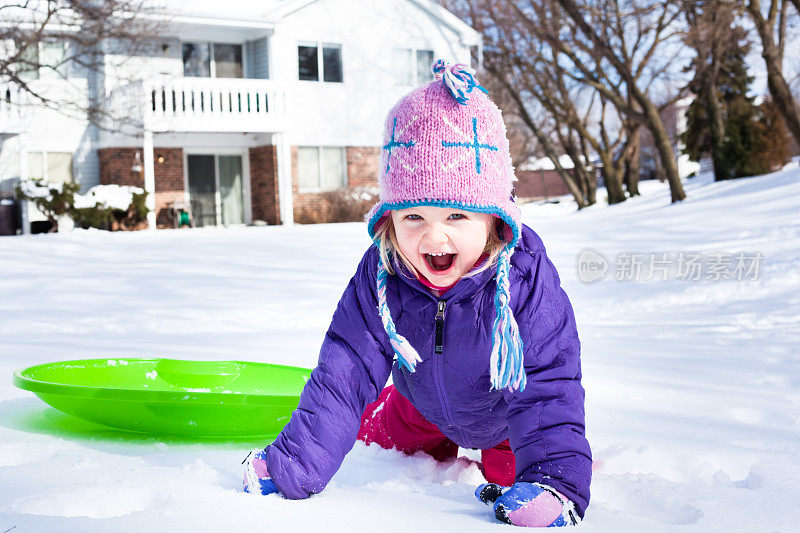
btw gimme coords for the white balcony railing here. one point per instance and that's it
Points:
(200, 105)
(13, 109)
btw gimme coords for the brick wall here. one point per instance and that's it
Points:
(115, 168)
(264, 183)
(535, 184)
(169, 183)
(362, 165)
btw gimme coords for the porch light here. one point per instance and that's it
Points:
(137, 163)
(160, 158)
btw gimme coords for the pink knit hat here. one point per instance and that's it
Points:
(445, 145)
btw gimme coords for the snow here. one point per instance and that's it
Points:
(41, 189)
(108, 196)
(545, 163)
(693, 387)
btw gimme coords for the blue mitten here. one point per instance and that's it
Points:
(528, 504)
(256, 478)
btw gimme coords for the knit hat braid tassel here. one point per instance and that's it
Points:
(406, 354)
(506, 364)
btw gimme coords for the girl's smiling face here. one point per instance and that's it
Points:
(443, 243)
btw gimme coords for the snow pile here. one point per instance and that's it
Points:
(692, 387)
(40, 189)
(108, 196)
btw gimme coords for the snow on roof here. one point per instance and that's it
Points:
(274, 10)
(545, 163)
(230, 9)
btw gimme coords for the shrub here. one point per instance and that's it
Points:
(112, 207)
(341, 205)
(107, 207)
(772, 142)
(52, 199)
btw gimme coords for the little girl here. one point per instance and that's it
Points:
(460, 303)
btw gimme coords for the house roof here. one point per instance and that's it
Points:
(230, 10)
(469, 36)
(267, 12)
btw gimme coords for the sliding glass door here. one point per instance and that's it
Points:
(230, 189)
(203, 190)
(216, 189)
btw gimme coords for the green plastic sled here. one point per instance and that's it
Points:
(170, 396)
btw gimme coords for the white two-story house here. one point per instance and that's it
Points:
(243, 110)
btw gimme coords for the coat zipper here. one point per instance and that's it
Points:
(439, 366)
(439, 346)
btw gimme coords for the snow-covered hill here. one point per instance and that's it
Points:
(693, 386)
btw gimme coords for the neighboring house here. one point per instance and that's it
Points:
(538, 179)
(241, 112)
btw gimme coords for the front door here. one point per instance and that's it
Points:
(216, 191)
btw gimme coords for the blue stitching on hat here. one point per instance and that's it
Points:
(475, 208)
(474, 144)
(393, 143)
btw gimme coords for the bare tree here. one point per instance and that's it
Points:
(622, 102)
(630, 44)
(530, 78)
(502, 78)
(594, 79)
(632, 169)
(771, 28)
(552, 105)
(45, 38)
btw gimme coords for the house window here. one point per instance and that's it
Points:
(227, 60)
(197, 60)
(412, 66)
(46, 59)
(36, 165)
(321, 168)
(50, 166)
(308, 69)
(53, 55)
(332, 62)
(310, 62)
(424, 60)
(212, 60)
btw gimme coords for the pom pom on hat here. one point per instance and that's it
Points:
(458, 78)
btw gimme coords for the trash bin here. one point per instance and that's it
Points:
(9, 216)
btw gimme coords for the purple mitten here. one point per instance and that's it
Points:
(528, 504)
(256, 478)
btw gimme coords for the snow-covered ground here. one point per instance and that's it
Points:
(693, 387)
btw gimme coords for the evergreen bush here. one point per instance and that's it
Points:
(102, 207)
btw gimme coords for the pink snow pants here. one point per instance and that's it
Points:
(392, 422)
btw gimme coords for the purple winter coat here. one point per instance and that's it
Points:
(545, 422)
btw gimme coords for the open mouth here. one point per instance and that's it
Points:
(440, 264)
